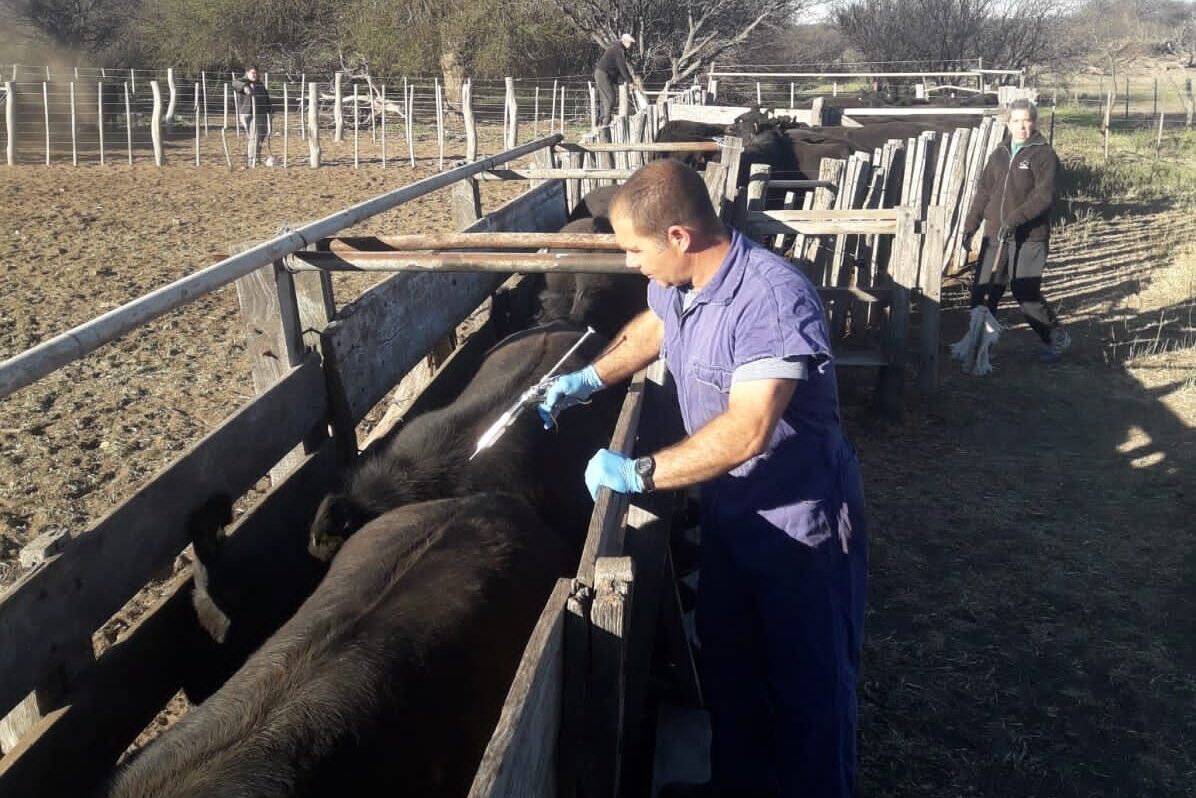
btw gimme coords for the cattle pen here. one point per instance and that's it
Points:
(875, 233)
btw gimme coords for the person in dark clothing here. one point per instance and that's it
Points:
(610, 68)
(253, 109)
(1013, 198)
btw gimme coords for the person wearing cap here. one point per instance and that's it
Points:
(610, 68)
(783, 558)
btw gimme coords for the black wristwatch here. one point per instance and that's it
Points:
(646, 467)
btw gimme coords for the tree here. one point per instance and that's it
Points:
(79, 24)
(684, 36)
(942, 33)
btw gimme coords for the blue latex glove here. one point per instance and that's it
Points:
(609, 469)
(566, 391)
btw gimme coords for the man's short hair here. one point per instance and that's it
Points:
(666, 193)
(1022, 104)
(251, 68)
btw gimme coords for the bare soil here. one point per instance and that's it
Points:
(1032, 613)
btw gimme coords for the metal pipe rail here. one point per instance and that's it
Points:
(647, 146)
(49, 356)
(415, 242)
(499, 262)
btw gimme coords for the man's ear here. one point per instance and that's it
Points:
(678, 238)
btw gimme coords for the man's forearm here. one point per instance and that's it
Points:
(635, 347)
(712, 451)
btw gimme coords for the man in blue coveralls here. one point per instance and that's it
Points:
(784, 548)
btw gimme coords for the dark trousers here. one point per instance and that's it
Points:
(781, 624)
(607, 97)
(1022, 272)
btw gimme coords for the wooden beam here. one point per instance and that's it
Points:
(363, 366)
(604, 538)
(78, 590)
(557, 174)
(133, 679)
(521, 758)
(414, 242)
(922, 110)
(646, 146)
(458, 262)
(610, 614)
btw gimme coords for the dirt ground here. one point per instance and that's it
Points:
(1032, 612)
(82, 241)
(1031, 624)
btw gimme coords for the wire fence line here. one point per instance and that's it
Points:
(81, 113)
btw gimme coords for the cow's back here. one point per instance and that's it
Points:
(388, 680)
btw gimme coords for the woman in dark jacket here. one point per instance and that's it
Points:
(1013, 199)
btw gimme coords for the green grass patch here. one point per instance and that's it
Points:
(1135, 169)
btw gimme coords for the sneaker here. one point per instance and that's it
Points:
(1060, 341)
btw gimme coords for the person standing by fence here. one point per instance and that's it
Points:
(610, 68)
(1013, 199)
(253, 110)
(784, 543)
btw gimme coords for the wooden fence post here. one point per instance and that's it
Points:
(471, 124)
(356, 126)
(816, 112)
(286, 125)
(10, 122)
(251, 133)
(128, 124)
(224, 126)
(196, 124)
(302, 97)
(931, 281)
(313, 123)
(169, 118)
(411, 123)
(440, 122)
(610, 613)
(338, 111)
(513, 115)
(536, 114)
(203, 82)
(624, 99)
(552, 111)
(156, 122)
(593, 106)
(100, 117)
(383, 90)
(46, 108)
(74, 131)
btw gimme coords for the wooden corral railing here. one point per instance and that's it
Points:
(66, 705)
(573, 712)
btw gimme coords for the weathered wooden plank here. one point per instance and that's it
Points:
(610, 613)
(765, 225)
(573, 737)
(381, 336)
(891, 380)
(756, 188)
(709, 114)
(521, 758)
(133, 680)
(466, 201)
(596, 173)
(930, 280)
(643, 146)
(460, 262)
(604, 538)
(415, 242)
(75, 592)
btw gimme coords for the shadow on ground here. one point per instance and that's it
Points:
(1032, 619)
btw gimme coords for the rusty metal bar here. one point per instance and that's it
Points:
(503, 262)
(483, 241)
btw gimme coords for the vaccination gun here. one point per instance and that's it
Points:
(532, 396)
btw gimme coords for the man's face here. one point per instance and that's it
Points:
(662, 261)
(251, 73)
(1020, 125)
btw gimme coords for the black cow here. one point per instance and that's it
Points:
(682, 130)
(595, 205)
(605, 302)
(388, 680)
(428, 457)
